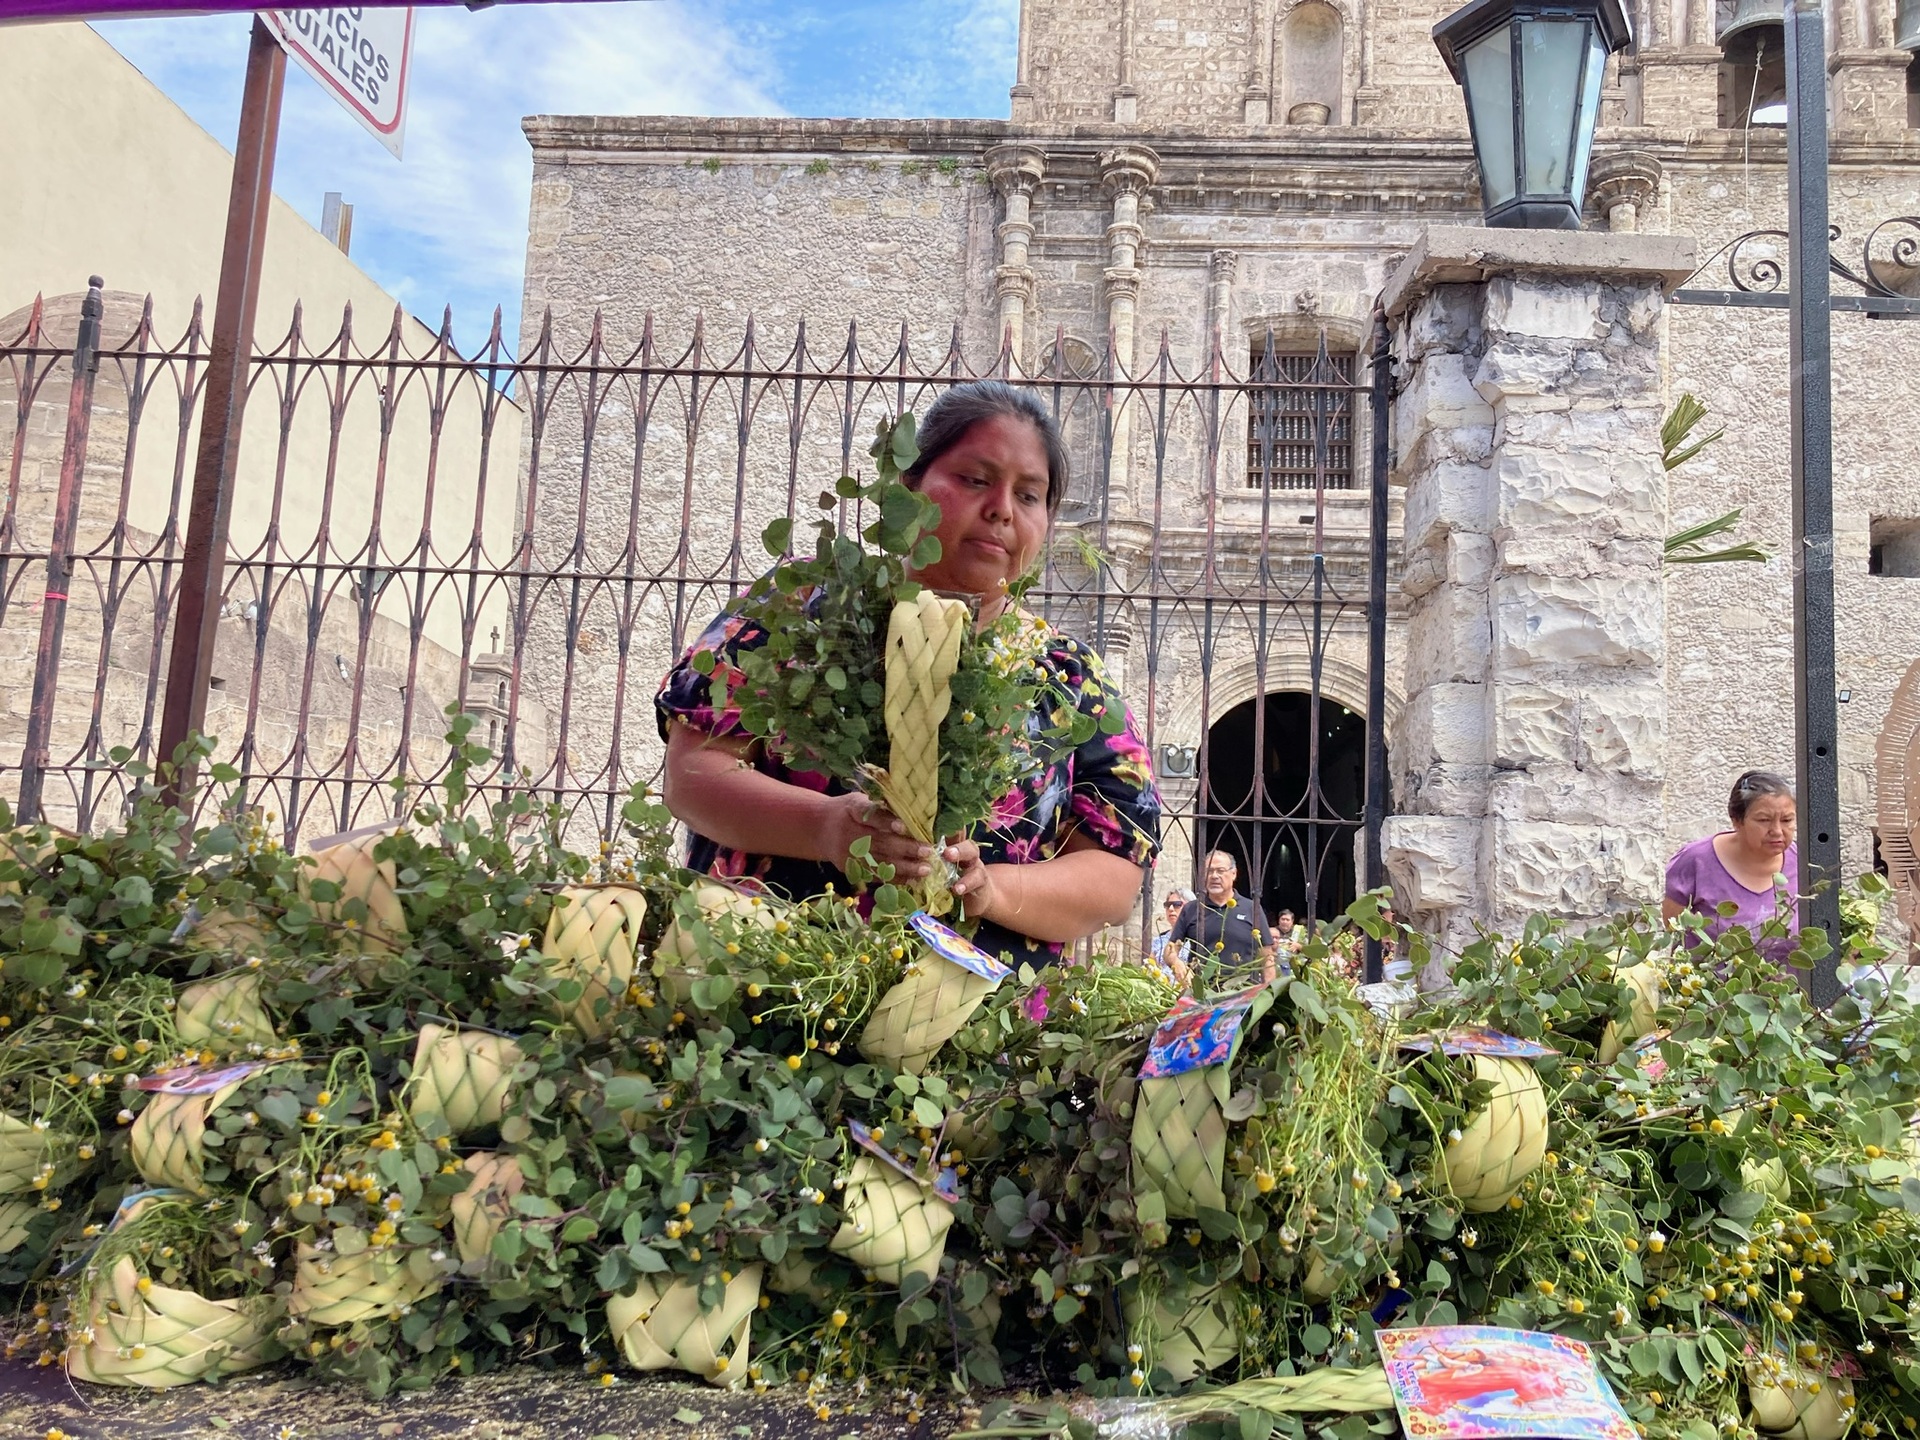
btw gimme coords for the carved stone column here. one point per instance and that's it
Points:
(1256, 103)
(1625, 187)
(1220, 267)
(1126, 99)
(1530, 757)
(1015, 171)
(1126, 172)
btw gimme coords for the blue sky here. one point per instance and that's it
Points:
(448, 225)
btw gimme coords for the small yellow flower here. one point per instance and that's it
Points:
(838, 1319)
(606, 1380)
(794, 1062)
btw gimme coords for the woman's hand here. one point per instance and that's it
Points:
(974, 885)
(853, 817)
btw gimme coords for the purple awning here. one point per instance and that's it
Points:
(117, 9)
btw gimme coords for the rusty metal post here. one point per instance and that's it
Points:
(204, 557)
(66, 515)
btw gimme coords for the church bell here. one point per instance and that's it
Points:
(1906, 25)
(1747, 14)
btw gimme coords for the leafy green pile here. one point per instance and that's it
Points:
(1740, 1194)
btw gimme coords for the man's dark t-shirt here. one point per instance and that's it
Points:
(1238, 929)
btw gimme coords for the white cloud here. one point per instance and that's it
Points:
(448, 225)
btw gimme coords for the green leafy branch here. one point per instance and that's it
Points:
(1677, 446)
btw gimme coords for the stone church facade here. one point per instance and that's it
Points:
(1254, 170)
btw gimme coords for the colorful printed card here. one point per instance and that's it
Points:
(197, 1079)
(1478, 1040)
(1194, 1036)
(945, 1183)
(949, 944)
(1479, 1382)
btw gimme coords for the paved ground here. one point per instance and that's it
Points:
(522, 1404)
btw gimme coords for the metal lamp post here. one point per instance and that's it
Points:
(1531, 70)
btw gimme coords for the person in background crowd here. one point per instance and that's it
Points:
(1168, 956)
(1231, 941)
(1287, 935)
(1755, 864)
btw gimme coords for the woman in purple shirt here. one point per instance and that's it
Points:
(1755, 864)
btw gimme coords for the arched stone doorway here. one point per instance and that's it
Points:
(1288, 810)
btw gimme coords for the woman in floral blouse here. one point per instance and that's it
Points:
(1063, 854)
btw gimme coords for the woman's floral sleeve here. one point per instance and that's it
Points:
(699, 690)
(1115, 799)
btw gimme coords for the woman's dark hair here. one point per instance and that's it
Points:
(964, 406)
(1750, 787)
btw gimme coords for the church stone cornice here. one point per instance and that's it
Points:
(1234, 168)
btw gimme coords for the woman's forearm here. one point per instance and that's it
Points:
(1077, 892)
(711, 784)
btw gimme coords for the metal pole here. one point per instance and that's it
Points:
(1816, 720)
(204, 557)
(1376, 810)
(66, 514)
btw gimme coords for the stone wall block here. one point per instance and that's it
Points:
(1443, 789)
(1443, 724)
(1452, 498)
(1447, 321)
(1455, 558)
(1544, 309)
(1567, 795)
(1448, 638)
(1438, 396)
(1540, 867)
(1541, 622)
(1532, 725)
(1556, 492)
(1434, 860)
(1623, 729)
(1515, 368)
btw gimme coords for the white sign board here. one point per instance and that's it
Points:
(360, 55)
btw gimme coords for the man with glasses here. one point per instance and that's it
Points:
(1231, 943)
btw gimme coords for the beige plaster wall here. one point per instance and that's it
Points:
(103, 174)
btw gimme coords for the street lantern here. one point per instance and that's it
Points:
(1906, 25)
(1531, 70)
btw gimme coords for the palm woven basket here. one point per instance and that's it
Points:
(893, 1226)
(593, 937)
(224, 1013)
(168, 1141)
(1503, 1143)
(461, 1078)
(163, 1336)
(660, 1328)
(334, 1289)
(1186, 1334)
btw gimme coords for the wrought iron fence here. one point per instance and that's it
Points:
(535, 537)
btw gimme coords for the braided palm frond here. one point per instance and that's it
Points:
(1180, 1142)
(168, 1141)
(926, 1007)
(1188, 1334)
(1503, 1143)
(485, 1205)
(351, 866)
(334, 1289)
(593, 936)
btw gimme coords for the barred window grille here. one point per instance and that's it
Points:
(1291, 399)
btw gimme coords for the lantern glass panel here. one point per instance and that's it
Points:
(1552, 55)
(1489, 78)
(1589, 112)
